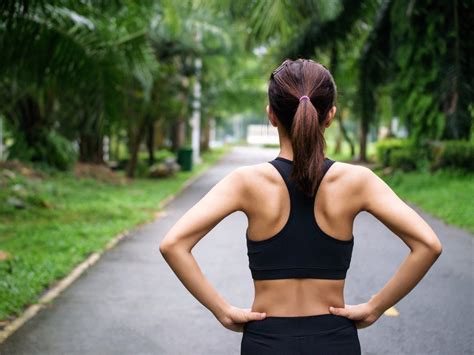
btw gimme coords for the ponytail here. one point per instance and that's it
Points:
(308, 145)
(302, 117)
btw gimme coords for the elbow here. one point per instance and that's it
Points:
(432, 248)
(165, 247)
(435, 248)
(170, 245)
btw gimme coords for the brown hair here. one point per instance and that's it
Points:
(303, 119)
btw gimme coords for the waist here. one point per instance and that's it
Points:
(297, 297)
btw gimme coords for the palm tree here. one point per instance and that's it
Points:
(73, 56)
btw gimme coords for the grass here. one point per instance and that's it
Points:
(80, 217)
(446, 194)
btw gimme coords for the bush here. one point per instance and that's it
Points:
(385, 147)
(405, 159)
(50, 150)
(453, 153)
(163, 154)
(59, 152)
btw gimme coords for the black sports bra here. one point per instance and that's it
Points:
(300, 249)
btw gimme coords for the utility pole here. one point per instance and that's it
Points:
(196, 116)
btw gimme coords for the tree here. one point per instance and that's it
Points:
(68, 61)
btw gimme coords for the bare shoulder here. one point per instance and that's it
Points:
(257, 182)
(250, 175)
(351, 175)
(349, 182)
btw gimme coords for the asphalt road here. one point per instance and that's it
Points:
(130, 302)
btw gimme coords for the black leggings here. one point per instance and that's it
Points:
(320, 334)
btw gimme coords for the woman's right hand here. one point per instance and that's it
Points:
(235, 318)
(363, 314)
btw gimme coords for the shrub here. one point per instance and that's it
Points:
(162, 154)
(59, 152)
(385, 147)
(452, 153)
(405, 159)
(50, 150)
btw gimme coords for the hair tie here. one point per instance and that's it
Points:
(304, 97)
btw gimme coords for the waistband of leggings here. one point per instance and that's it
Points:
(299, 325)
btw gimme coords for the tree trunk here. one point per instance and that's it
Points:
(32, 127)
(205, 134)
(334, 62)
(178, 134)
(150, 142)
(91, 148)
(31, 123)
(364, 130)
(91, 138)
(343, 131)
(136, 140)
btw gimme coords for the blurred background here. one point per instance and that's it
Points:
(109, 107)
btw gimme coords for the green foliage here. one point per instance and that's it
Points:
(406, 154)
(50, 149)
(92, 69)
(20, 150)
(102, 68)
(77, 48)
(404, 159)
(66, 66)
(162, 154)
(453, 154)
(384, 148)
(418, 51)
(271, 145)
(427, 155)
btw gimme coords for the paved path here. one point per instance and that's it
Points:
(130, 302)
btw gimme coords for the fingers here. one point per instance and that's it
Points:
(340, 312)
(255, 316)
(249, 315)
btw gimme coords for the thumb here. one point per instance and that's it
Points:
(256, 316)
(339, 311)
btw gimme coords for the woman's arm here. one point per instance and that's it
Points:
(226, 197)
(377, 198)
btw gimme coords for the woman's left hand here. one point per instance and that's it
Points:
(362, 314)
(235, 318)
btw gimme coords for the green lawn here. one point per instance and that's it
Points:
(46, 243)
(447, 194)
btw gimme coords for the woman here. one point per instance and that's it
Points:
(299, 234)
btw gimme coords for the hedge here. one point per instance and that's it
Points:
(407, 155)
(453, 153)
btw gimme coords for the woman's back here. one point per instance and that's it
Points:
(301, 208)
(268, 207)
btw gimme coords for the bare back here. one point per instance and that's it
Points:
(267, 209)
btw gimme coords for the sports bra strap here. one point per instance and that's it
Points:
(284, 169)
(326, 165)
(285, 166)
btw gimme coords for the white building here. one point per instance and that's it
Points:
(262, 134)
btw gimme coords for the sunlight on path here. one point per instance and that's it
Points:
(391, 312)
